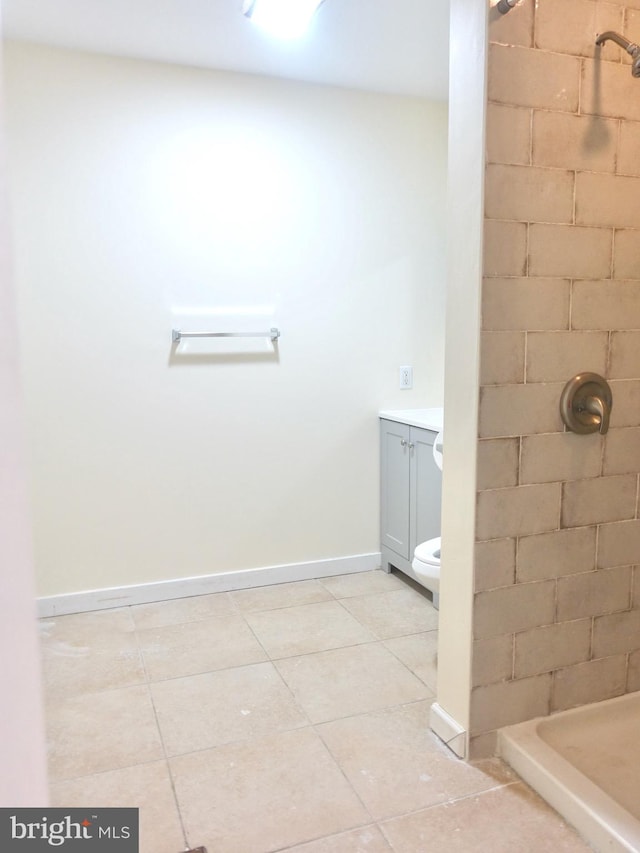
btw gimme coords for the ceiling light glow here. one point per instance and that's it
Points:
(285, 19)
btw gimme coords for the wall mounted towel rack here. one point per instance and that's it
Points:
(177, 335)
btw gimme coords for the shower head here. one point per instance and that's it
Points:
(632, 49)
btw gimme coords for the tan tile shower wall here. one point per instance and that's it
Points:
(557, 607)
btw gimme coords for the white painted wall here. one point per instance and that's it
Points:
(144, 193)
(23, 779)
(464, 286)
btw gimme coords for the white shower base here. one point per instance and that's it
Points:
(586, 764)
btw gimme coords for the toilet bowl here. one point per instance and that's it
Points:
(426, 564)
(426, 557)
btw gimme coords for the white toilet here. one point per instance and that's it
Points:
(426, 557)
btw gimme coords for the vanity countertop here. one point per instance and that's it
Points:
(423, 418)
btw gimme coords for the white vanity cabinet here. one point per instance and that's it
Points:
(411, 486)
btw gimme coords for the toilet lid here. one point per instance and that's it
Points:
(429, 552)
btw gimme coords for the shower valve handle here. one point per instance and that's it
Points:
(596, 406)
(585, 404)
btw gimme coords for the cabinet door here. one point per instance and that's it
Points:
(426, 488)
(395, 459)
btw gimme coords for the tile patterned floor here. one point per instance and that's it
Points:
(291, 717)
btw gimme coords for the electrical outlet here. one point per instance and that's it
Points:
(406, 377)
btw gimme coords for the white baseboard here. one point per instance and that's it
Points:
(448, 730)
(124, 596)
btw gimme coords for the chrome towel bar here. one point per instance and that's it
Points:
(177, 335)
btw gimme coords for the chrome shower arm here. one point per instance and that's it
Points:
(619, 40)
(629, 46)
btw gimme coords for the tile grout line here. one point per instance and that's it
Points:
(268, 660)
(149, 683)
(314, 727)
(64, 780)
(378, 823)
(326, 838)
(406, 665)
(373, 640)
(453, 800)
(308, 725)
(335, 762)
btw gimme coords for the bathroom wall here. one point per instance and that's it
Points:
(465, 225)
(23, 780)
(557, 604)
(147, 196)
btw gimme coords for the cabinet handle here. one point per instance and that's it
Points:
(411, 446)
(404, 443)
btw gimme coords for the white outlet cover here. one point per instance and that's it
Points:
(406, 377)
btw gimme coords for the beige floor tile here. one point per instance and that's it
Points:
(277, 785)
(71, 666)
(194, 647)
(192, 609)
(208, 710)
(342, 682)
(146, 787)
(509, 820)
(397, 765)
(420, 653)
(264, 795)
(280, 595)
(86, 628)
(102, 731)
(307, 628)
(367, 839)
(394, 614)
(362, 583)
